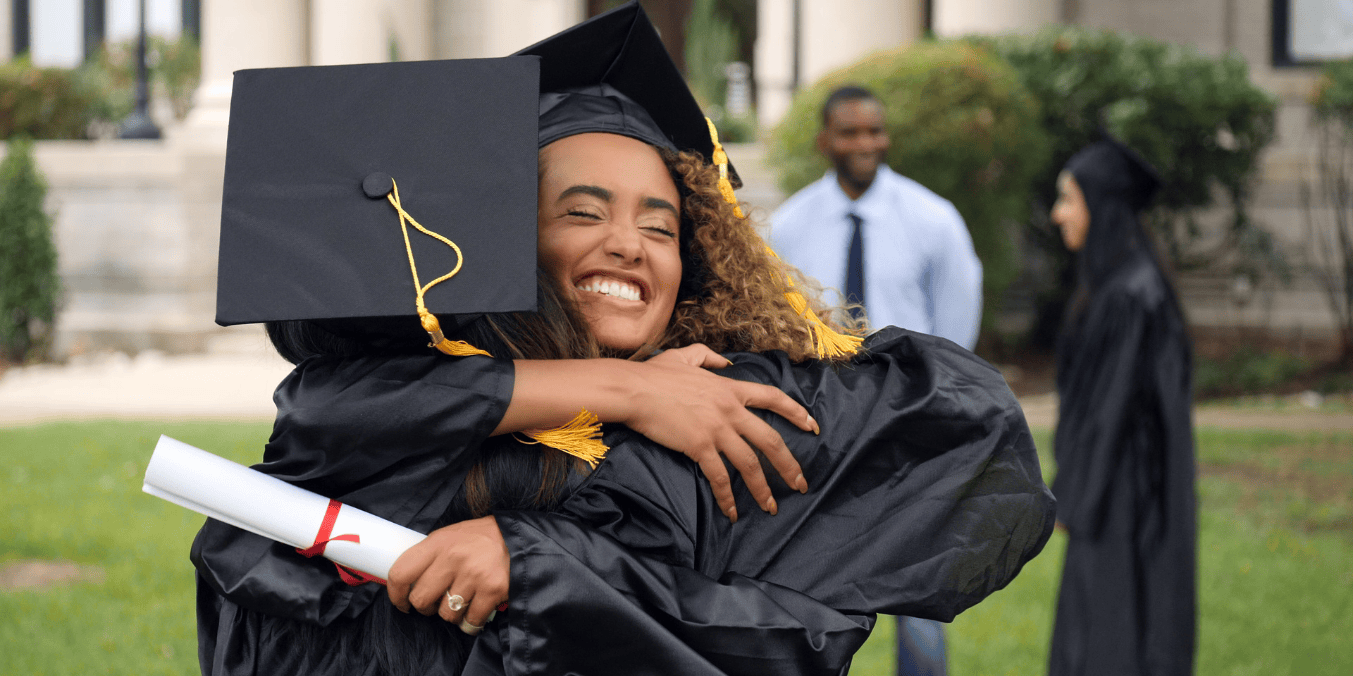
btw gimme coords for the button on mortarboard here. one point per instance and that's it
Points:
(377, 185)
(318, 157)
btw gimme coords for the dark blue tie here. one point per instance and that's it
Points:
(855, 265)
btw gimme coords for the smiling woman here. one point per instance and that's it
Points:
(609, 233)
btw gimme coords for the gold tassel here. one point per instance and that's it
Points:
(455, 348)
(720, 159)
(826, 342)
(580, 438)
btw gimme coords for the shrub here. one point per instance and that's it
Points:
(46, 103)
(960, 123)
(28, 281)
(175, 68)
(1197, 118)
(1247, 371)
(1328, 204)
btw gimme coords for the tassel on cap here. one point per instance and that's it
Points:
(720, 160)
(826, 341)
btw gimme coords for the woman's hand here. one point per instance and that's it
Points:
(673, 400)
(468, 560)
(705, 417)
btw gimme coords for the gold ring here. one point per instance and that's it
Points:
(455, 602)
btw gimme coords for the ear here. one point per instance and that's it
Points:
(822, 141)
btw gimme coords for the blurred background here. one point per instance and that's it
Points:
(113, 118)
(1242, 104)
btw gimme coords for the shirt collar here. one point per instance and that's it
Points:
(871, 195)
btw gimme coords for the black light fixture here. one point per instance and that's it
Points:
(139, 124)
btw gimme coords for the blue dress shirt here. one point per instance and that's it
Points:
(920, 270)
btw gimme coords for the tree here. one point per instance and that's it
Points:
(1328, 206)
(28, 282)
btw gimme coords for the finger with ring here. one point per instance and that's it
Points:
(471, 628)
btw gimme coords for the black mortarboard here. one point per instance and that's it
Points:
(307, 230)
(612, 74)
(1108, 166)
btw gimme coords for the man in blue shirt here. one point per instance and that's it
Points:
(894, 247)
(902, 251)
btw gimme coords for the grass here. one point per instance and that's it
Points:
(73, 492)
(1275, 558)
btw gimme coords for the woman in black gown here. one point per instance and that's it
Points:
(922, 496)
(1124, 443)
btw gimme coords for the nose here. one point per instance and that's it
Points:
(623, 242)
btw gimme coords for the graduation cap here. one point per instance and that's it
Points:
(1110, 168)
(337, 178)
(612, 74)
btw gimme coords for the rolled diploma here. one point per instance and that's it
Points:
(227, 491)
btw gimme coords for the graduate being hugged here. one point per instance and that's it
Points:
(528, 318)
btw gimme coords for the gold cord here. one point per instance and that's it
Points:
(826, 341)
(455, 348)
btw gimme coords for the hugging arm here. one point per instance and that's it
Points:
(677, 402)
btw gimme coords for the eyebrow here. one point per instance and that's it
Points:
(608, 196)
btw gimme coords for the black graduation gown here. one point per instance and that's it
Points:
(925, 498)
(1125, 486)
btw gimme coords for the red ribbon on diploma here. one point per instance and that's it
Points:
(322, 539)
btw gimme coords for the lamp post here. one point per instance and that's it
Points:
(139, 124)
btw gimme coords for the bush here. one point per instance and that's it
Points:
(1328, 204)
(175, 68)
(1248, 371)
(961, 124)
(28, 281)
(45, 103)
(1197, 118)
(92, 100)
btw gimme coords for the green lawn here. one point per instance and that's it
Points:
(1275, 582)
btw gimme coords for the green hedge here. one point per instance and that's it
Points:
(45, 103)
(961, 124)
(1197, 118)
(29, 287)
(61, 103)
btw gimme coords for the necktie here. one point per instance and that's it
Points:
(855, 265)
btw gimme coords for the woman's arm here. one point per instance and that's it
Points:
(674, 400)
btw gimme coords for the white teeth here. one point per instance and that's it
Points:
(612, 288)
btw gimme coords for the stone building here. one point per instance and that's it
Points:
(138, 221)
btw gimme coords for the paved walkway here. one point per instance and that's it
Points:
(237, 381)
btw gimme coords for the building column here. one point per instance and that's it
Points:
(953, 18)
(6, 30)
(349, 31)
(469, 29)
(831, 34)
(236, 34)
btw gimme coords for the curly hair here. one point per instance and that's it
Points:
(740, 304)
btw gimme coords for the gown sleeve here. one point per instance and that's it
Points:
(925, 494)
(391, 436)
(1100, 395)
(584, 603)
